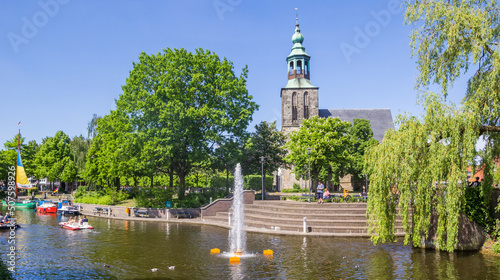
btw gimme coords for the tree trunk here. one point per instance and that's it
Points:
(152, 181)
(117, 183)
(135, 181)
(227, 179)
(171, 175)
(182, 185)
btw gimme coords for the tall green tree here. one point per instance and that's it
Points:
(78, 148)
(183, 104)
(361, 139)
(449, 38)
(265, 142)
(329, 144)
(53, 160)
(92, 126)
(115, 152)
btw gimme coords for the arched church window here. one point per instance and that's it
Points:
(291, 68)
(299, 67)
(306, 105)
(306, 67)
(294, 107)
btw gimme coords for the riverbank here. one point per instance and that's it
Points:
(168, 216)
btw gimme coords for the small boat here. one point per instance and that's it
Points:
(26, 204)
(76, 226)
(65, 208)
(46, 207)
(9, 226)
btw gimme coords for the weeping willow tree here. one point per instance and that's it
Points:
(420, 168)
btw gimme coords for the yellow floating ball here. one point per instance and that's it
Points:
(268, 252)
(215, 251)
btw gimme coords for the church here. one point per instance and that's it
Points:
(300, 100)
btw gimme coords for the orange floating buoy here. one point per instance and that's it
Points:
(215, 251)
(238, 252)
(268, 252)
(234, 259)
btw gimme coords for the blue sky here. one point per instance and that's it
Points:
(61, 61)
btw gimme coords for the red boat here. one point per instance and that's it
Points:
(47, 207)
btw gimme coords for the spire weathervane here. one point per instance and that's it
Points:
(296, 16)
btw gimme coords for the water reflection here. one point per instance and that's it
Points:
(130, 248)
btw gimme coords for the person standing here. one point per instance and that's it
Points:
(319, 191)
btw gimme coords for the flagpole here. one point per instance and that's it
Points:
(18, 143)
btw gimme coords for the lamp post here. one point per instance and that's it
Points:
(263, 189)
(309, 152)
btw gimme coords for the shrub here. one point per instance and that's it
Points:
(496, 247)
(99, 197)
(294, 190)
(152, 197)
(254, 182)
(196, 200)
(296, 186)
(293, 198)
(477, 210)
(80, 191)
(218, 182)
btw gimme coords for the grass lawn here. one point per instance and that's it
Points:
(126, 203)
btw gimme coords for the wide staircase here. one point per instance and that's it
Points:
(333, 219)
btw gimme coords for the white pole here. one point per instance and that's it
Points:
(168, 214)
(109, 211)
(305, 224)
(229, 218)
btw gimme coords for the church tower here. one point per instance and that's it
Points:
(299, 98)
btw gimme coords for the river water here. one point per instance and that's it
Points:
(130, 248)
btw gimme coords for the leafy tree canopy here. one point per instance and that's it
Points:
(183, 105)
(329, 144)
(265, 142)
(53, 160)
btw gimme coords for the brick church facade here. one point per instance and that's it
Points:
(300, 100)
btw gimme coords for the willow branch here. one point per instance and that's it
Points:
(489, 128)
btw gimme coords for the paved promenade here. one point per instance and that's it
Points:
(270, 217)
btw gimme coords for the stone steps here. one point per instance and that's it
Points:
(342, 219)
(313, 209)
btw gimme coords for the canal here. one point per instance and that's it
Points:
(119, 249)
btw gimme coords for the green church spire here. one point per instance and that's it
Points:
(298, 62)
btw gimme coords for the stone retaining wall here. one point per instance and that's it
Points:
(224, 204)
(120, 211)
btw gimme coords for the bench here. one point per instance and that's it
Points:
(141, 213)
(307, 196)
(105, 210)
(357, 197)
(182, 214)
(97, 210)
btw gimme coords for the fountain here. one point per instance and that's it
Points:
(237, 236)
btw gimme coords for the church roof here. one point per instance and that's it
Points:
(299, 83)
(380, 119)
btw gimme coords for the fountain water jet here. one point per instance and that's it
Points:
(237, 234)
